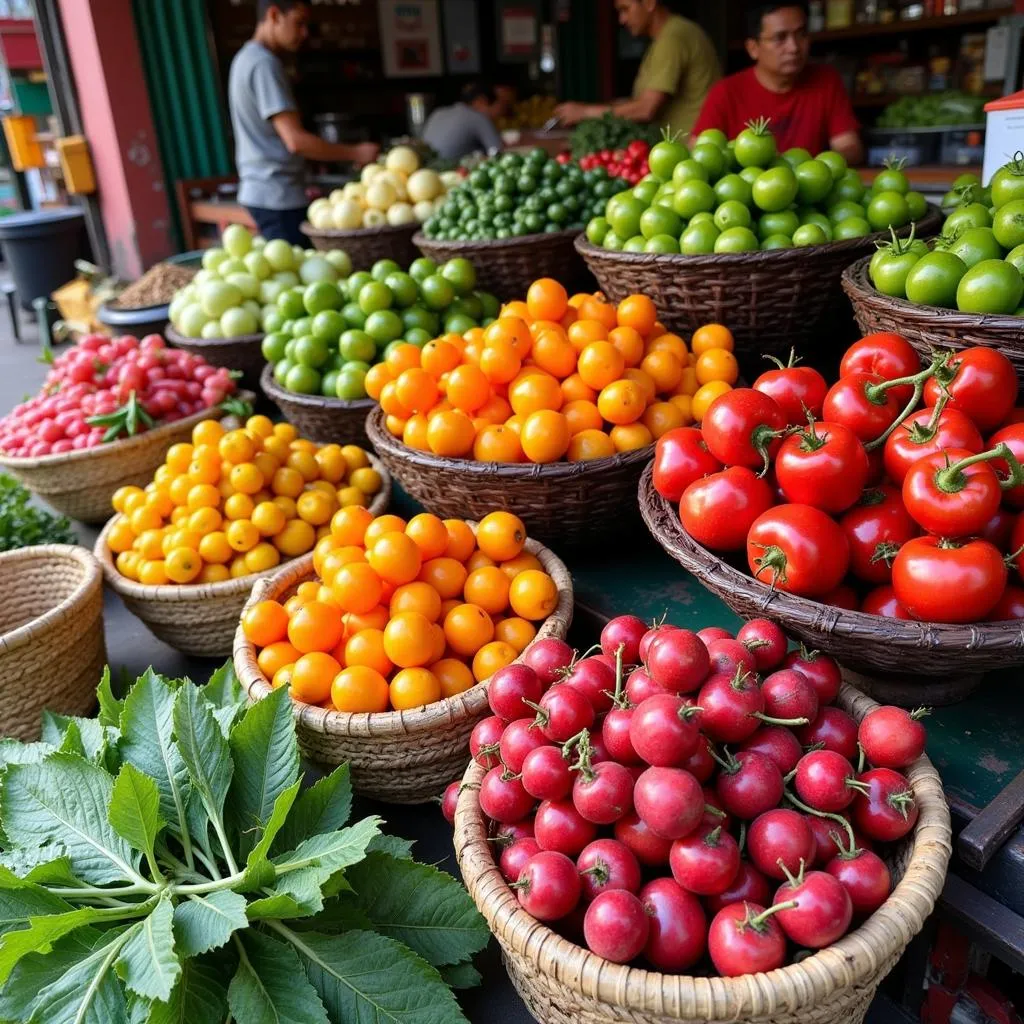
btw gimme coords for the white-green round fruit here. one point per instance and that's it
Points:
(211, 329)
(402, 158)
(177, 304)
(278, 253)
(202, 276)
(212, 258)
(217, 297)
(381, 194)
(258, 243)
(346, 215)
(425, 184)
(231, 266)
(340, 260)
(237, 240)
(236, 322)
(317, 269)
(191, 320)
(298, 254)
(254, 307)
(321, 218)
(269, 291)
(369, 172)
(316, 208)
(257, 265)
(287, 277)
(423, 210)
(399, 214)
(374, 219)
(245, 283)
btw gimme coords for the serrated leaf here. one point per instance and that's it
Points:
(64, 799)
(364, 978)
(223, 689)
(460, 976)
(420, 906)
(333, 851)
(148, 964)
(16, 752)
(396, 846)
(258, 869)
(337, 916)
(91, 734)
(203, 748)
(202, 923)
(110, 707)
(266, 759)
(40, 933)
(200, 997)
(323, 807)
(46, 865)
(88, 991)
(134, 809)
(269, 986)
(38, 970)
(226, 717)
(18, 905)
(147, 729)
(297, 894)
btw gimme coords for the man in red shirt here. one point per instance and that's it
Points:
(806, 103)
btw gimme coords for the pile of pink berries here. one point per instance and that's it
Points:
(684, 795)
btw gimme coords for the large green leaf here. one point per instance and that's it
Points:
(135, 809)
(148, 964)
(202, 923)
(110, 706)
(88, 991)
(333, 851)
(365, 978)
(297, 894)
(42, 931)
(324, 807)
(91, 735)
(420, 906)
(223, 689)
(395, 845)
(38, 970)
(16, 752)
(147, 729)
(266, 758)
(460, 976)
(17, 905)
(270, 988)
(200, 997)
(64, 799)
(203, 748)
(259, 871)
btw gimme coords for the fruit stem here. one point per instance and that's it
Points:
(861, 758)
(920, 713)
(762, 717)
(792, 880)
(728, 763)
(837, 818)
(573, 741)
(876, 392)
(715, 812)
(757, 922)
(900, 801)
(851, 852)
(774, 558)
(885, 551)
(617, 697)
(793, 360)
(711, 839)
(951, 479)
(742, 841)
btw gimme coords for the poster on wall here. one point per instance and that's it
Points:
(461, 37)
(518, 31)
(410, 38)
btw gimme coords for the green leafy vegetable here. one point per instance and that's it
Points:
(23, 525)
(609, 131)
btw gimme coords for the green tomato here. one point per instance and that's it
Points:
(776, 242)
(963, 180)
(1015, 257)
(290, 305)
(809, 234)
(646, 191)
(916, 204)
(328, 383)
(351, 385)
(702, 217)
(849, 187)
(634, 244)
(972, 215)
(375, 295)
(755, 146)
(736, 239)
(693, 197)
(612, 242)
(712, 136)
(838, 212)
(418, 337)
(380, 270)
(310, 351)
(933, 280)
(356, 282)
(273, 346)
(422, 268)
(733, 187)
(662, 244)
(820, 219)
(775, 189)
(732, 214)
(383, 326)
(281, 371)
(1007, 183)
(851, 227)
(664, 156)
(814, 181)
(460, 274)
(797, 156)
(1008, 224)
(623, 213)
(489, 304)
(659, 221)
(437, 292)
(403, 287)
(356, 344)
(991, 286)
(353, 315)
(888, 209)
(327, 326)
(836, 162)
(892, 179)
(271, 319)
(973, 245)
(711, 158)
(699, 238)
(889, 274)
(750, 174)
(424, 319)
(458, 323)
(597, 229)
(686, 170)
(783, 222)
(304, 325)
(303, 380)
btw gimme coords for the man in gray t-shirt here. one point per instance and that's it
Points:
(464, 127)
(271, 146)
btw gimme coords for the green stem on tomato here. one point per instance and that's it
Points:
(951, 479)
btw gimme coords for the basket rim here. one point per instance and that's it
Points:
(180, 339)
(116, 447)
(357, 233)
(494, 244)
(698, 560)
(178, 593)
(93, 577)
(775, 258)
(384, 442)
(391, 723)
(279, 395)
(832, 968)
(857, 284)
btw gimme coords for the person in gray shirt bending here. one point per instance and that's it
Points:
(464, 127)
(271, 146)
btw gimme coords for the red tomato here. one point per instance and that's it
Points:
(1010, 605)
(824, 466)
(984, 386)
(999, 528)
(1016, 543)
(1013, 437)
(917, 436)
(680, 457)
(844, 596)
(741, 428)
(882, 601)
(798, 549)
(718, 510)
(799, 390)
(888, 355)
(857, 402)
(940, 580)
(949, 499)
(876, 528)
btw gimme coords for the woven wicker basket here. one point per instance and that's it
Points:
(402, 757)
(571, 503)
(52, 650)
(930, 327)
(197, 619)
(80, 484)
(877, 653)
(771, 301)
(367, 245)
(244, 353)
(562, 983)
(507, 267)
(326, 420)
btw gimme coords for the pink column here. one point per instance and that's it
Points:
(107, 68)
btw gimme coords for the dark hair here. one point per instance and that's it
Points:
(757, 13)
(284, 6)
(477, 90)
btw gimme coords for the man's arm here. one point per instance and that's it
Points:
(642, 108)
(843, 127)
(297, 140)
(848, 144)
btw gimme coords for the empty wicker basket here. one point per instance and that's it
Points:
(52, 650)
(244, 353)
(367, 245)
(326, 420)
(197, 619)
(562, 983)
(402, 757)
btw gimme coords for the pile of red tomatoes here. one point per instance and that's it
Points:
(629, 163)
(104, 389)
(703, 801)
(896, 491)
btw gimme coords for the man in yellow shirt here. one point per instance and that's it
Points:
(678, 69)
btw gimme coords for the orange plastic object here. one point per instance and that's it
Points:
(76, 164)
(26, 153)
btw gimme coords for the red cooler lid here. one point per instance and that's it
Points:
(1015, 101)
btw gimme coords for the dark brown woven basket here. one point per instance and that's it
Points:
(507, 267)
(326, 420)
(565, 503)
(897, 660)
(244, 353)
(367, 245)
(931, 327)
(771, 301)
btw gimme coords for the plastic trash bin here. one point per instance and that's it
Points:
(40, 247)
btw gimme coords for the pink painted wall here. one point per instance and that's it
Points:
(107, 68)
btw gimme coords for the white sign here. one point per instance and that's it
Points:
(410, 38)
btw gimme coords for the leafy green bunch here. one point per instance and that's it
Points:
(609, 131)
(162, 863)
(22, 524)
